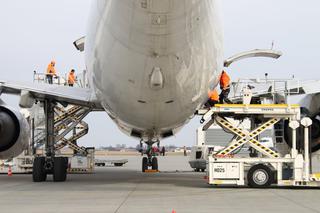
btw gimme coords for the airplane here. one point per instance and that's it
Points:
(150, 66)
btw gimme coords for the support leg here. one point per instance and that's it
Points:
(149, 153)
(141, 147)
(49, 113)
(49, 164)
(44, 165)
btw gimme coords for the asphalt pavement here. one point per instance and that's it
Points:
(127, 190)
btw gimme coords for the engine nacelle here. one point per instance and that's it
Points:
(310, 107)
(14, 132)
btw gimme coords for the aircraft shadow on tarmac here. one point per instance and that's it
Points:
(120, 176)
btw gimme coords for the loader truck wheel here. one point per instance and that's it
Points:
(260, 176)
(60, 166)
(39, 173)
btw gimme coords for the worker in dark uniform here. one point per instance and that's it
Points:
(163, 151)
(225, 88)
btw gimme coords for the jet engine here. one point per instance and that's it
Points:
(310, 107)
(14, 132)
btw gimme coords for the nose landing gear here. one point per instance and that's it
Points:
(148, 163)
(151, 161)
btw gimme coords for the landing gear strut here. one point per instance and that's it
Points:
(150, 161)
(42, 166)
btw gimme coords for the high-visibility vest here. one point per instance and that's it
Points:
(71, 78)
(51, 70)
(213, 95)
(224, 80)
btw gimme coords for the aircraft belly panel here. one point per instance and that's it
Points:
(179, 40)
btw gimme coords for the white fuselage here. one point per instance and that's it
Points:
(152, 62)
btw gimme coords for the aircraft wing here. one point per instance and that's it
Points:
(62, 94)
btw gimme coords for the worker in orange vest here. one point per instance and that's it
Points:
(72, 78)
(225, 88)
(51, 71)
(213, 98)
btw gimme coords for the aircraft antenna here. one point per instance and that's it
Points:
(272, 45)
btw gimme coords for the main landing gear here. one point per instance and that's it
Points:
(56, 166)
(150, 162)
(50, 164)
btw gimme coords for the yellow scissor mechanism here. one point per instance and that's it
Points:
(247, 137)
(67, 121)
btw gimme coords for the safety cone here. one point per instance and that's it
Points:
(9, 171)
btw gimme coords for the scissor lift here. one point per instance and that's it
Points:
(270, 167)
(66, 120)
(70, 120)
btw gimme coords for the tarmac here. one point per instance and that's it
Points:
(126, 189)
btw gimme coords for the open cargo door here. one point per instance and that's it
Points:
(252, 54)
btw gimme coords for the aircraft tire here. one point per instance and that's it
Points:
(60, 169)
(144, 164)
(154, 163)
(39, 173)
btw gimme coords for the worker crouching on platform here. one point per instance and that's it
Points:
(213, 98)
(51, 72)
(72, 78)
(225, 88)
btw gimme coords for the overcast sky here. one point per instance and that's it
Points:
(35, 31)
